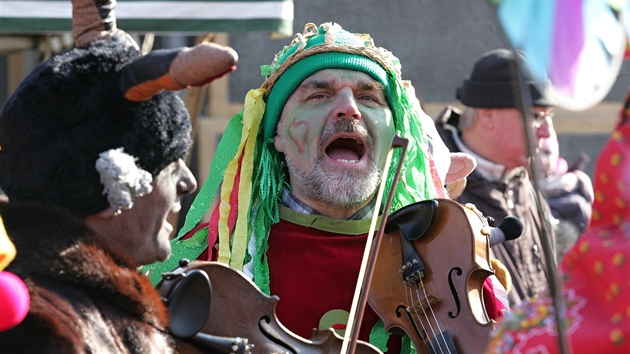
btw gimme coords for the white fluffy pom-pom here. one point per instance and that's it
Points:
(122, 178)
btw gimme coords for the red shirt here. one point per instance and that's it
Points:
(314, 273)
(314, 264)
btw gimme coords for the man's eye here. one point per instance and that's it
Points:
(368, 98)
(317, 96)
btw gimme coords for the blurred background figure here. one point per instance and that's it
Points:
(567, 188)
(594, 274)
(491, 129)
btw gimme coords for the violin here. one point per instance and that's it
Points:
(427, 281)
(429, 261)
(233, 316)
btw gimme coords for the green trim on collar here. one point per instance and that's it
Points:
(324, 223)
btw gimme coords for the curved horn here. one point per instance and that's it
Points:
(92, 19)
(175, 69)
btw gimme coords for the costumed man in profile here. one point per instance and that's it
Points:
(492, 129)
(298, 170)
(91, 160)
(594, 275)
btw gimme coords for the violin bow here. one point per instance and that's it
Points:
(523, 102)
(371, 250)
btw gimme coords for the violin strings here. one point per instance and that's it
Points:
(440, 333)
(437, 323)
(409, 295)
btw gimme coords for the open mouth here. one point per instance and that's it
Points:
(346, 150)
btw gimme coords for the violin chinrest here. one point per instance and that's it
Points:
(189, 304)
(413, 220)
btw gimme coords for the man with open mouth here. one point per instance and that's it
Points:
(298, 188)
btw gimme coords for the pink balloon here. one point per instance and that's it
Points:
(14, 300)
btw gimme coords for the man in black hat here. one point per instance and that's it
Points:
(91, 159)
(493, 130)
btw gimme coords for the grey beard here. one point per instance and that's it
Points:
(340, 189)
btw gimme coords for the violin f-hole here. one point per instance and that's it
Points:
(404, 309)
(458, 271)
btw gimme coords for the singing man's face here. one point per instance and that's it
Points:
(335, 132)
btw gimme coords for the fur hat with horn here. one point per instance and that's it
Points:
(120, 106)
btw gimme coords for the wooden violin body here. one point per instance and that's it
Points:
(429, 275)
(236, 310)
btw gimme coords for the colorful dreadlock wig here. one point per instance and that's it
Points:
(248, 173)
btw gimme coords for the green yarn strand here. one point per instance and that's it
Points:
(415, 181)
(266, 211)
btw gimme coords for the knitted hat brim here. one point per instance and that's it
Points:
(293, 77)
(482, 94)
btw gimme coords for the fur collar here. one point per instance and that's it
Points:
(54, 246)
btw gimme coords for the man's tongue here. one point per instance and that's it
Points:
(343, 154)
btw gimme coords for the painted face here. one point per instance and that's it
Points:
(335, 132)
(143, 231)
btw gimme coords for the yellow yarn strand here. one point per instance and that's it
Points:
(225, 208)
(252, 116)
(253, 113)
(7, 249)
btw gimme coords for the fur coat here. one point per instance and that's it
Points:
(83, 300)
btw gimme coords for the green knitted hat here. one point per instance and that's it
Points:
(319, 48)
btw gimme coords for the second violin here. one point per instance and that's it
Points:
(216, 309)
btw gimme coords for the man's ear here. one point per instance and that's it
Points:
(456, 189)
(485, 117)
(278, 144)
(277, 140)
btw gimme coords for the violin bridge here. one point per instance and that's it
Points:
(424, 304)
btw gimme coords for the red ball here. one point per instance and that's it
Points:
(15, 300)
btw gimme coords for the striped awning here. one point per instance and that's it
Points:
(156, 16)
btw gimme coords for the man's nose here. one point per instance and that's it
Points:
(544, 130)
(187, 183)
(346, 105)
